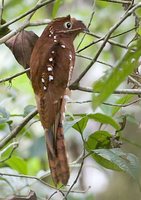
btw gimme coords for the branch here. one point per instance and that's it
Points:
(14, 145)
(90, 21)
(115, 1)
(28, 177)
(112, 42)
(119, 91)
(106, 38)
(107, 104)
(36, 7)
(1, 11)
(26, 23)
(18, 128)
(89, 58)
(39, 23)
(14, 76)
(76, 179)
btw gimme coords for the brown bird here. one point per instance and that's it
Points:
(51, 66)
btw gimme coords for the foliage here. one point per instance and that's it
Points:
(22, 158)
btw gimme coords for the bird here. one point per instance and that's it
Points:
(51, 66)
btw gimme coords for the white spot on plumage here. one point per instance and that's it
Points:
(50, 78)
(51, 32)
(55, 36)
(53, 52)
(45, 88)
(70, 56)
(49, 69)
(43, 80)
(63, 46)
(55, 40)
(49, 35)
(50, 59)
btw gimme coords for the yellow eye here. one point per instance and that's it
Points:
(68, 25)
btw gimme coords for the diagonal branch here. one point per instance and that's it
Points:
(14, 76)
(18, 128)
(36, 7)
(106, 38)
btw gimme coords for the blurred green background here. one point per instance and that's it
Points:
(17, 100)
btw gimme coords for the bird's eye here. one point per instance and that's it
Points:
(68, 25)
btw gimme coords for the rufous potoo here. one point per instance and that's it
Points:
(51, 66)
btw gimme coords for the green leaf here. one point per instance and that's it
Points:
(98, 140)
(123, 100)
(28, 109)
(116, 159)
(18, 164)
(108, 83)
(104, 119)
(81, 125)
(69, 124)
(33, 166)
(56, 7)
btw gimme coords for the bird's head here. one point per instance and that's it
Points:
(67, 26)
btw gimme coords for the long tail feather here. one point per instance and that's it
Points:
(62, 157)
(57, 157)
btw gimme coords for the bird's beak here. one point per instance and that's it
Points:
(83, 27)
(78, 24)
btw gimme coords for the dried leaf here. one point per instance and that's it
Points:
(21, 46)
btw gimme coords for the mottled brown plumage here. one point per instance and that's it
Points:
(51, 67)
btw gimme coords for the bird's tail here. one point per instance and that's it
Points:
(56, 151)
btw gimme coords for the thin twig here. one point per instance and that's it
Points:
(119, 34)
(14, 145)
(1, 11)
(90, 58)
(18, 128)
(52, 195)
(39, 23)
(91, 18)
(106, 38)
(112, 42)
(106, 103)
(14, 76)
(36, 7)
(119, 91)
(28, 177)
(76, 179)
(115, 1)
(134, 81)
(123, 105)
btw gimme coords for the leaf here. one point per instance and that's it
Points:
(81, 125)
(108, 83)
(104, 119)
(56, 7)
(122, 100)
(21, 46)
(99, 139)
(33, 166)
(116, 159)
(18, 164)
(28, 109)
(69, 124)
